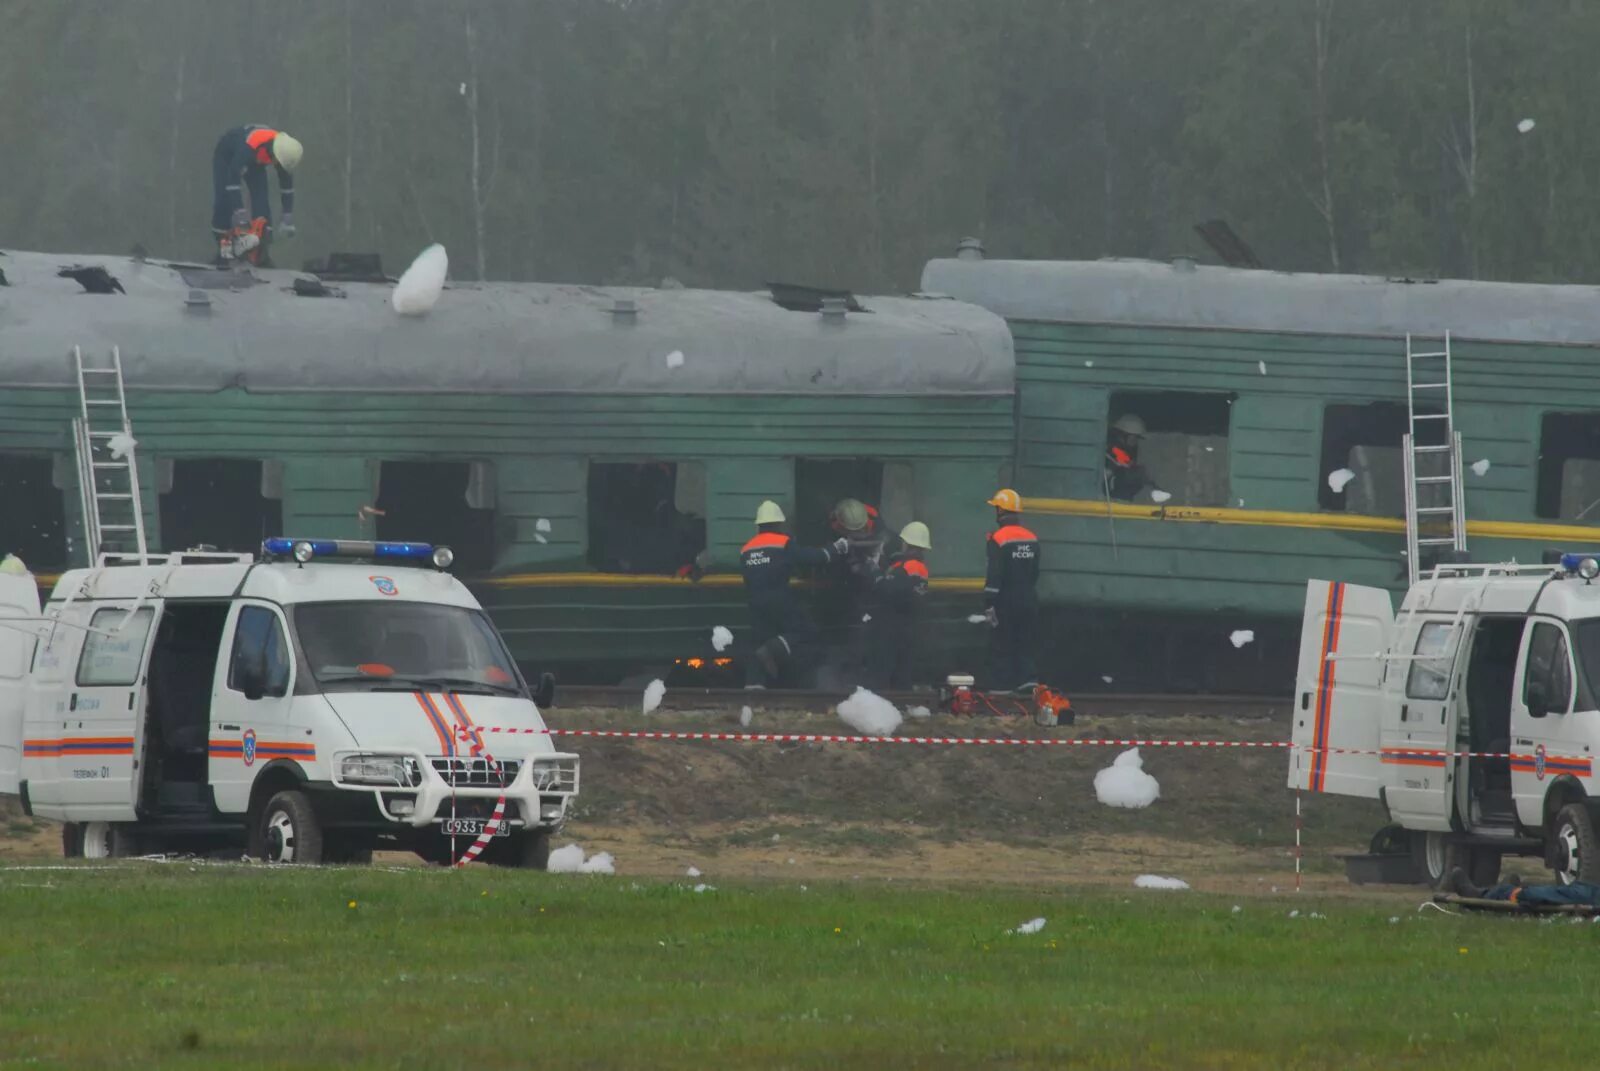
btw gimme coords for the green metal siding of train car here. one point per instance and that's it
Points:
(1280, 387)
(543, 591)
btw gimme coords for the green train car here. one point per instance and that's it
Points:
(1255, 387)
(577, 446)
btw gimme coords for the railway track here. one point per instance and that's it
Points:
(688, 699)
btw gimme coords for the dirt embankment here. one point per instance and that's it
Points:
(797, 811)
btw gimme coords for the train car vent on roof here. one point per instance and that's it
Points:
(348, 268)
(93, 278)
(798, 298)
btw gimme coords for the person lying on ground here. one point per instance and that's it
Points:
(1514, 891)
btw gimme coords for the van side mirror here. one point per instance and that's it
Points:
(1538, 702)
(545, 694)
(253, 680)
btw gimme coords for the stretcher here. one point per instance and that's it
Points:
(1507, 907)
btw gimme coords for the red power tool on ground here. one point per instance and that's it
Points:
(960, 696)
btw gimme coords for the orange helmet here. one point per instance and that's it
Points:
(1007, 499)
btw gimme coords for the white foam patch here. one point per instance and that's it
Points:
(1338, 479)
(570, 860)
(1159, 497)
(1031, 926)
(1526, 125)
(1262, 366)
(1480, 467)
(652, 695)
(121, 445)
(703, 887)
(675, 359)
(419, 288)
(1125, 784)
(1240, 637)
(1156, 881)
(721, 639)
(869, 714)
(692, 872)
(976, 619)
(918, 712)
(1105, 678)
(746, 716)
(542, 525)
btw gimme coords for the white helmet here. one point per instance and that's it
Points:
(769, 512)
(287, 151)
(916, 534)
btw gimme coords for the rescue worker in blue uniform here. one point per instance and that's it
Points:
(240, 160)
(1010, 603)
(898, 595)
(783, 631)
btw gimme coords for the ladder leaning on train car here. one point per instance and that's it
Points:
(108, 473)
(1435, 504)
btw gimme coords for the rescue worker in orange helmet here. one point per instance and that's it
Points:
(784, 633)
(1124, 476)
(1010, 603)
(241, 159)
(897, 599)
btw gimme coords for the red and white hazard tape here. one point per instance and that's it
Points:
(990, 741)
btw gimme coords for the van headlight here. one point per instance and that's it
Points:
(398, 770)
(546, 775)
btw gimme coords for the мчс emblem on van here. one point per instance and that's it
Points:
(384, 585)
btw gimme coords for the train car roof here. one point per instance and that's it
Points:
(1188, 295)
(189, 327)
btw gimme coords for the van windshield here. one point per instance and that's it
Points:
(382, 646)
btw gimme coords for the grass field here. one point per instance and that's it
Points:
(173, 965)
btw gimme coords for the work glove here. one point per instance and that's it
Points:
(992, 617)
(841, 547)
(241, 218)
(286, 228)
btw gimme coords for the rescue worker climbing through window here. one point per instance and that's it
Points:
(240, 159)
(1010, 603)
(897, 598)
(1124, 476)
(783, 634)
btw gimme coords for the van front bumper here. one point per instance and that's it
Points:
(428, 788)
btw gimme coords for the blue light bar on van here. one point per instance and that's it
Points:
(1575, 563)
(303, 550)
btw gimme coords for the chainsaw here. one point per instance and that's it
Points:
(246, 242)
(960, 696)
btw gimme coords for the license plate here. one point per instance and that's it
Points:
(472, 827)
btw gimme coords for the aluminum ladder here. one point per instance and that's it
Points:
(108, 473)
(1435, 506)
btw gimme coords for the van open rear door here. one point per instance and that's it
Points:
(19, 618)
(1343, 637)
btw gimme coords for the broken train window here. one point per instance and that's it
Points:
(647, 516)
(446, 503)
(33, 522)
(226, 503)
(1168, 446)
(1363, 459)
(1569, 467)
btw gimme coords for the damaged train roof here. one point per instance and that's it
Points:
(1183, 294)
(189, 327)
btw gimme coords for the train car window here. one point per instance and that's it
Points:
(646, 516)
(440, 502)
(33, 521)
(1168, 446)
(1569, 467)
(1362, 469)
(226, 503)
(819, 485)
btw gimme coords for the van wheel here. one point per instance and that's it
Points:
(105, 840)
(1577, 853)
(1431, 853)
(289, 830)
(71, 840)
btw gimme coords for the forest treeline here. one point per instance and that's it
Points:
(834, 142)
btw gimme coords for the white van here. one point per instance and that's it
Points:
(1499, 660)
(310, 704)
